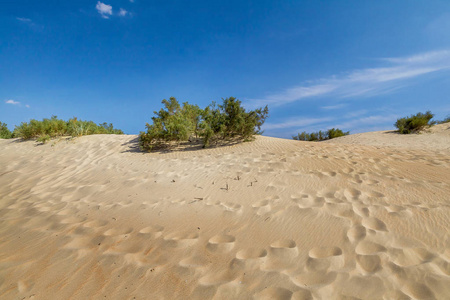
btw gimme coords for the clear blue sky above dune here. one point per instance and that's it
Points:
(357, 65)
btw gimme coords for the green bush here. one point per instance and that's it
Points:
(334, 133)
(54, 127)
(320, 135)
(5, 133)
(414, 123)
(229, 121)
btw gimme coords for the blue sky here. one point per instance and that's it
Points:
(357, 65)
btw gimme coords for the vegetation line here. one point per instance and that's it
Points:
(47, 129)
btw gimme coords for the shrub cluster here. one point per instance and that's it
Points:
(414, 123)
(5, 133)
(320, 135)
(50, 128)
(228, 121)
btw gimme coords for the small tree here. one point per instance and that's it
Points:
(216, 122)
(334, 133)
(5, 133)
(414, 123)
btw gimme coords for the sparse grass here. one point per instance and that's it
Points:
(320, 135)
(414, 123)
(47, 129)
(5, 133)
(216, 123)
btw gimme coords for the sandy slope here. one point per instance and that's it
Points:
(435, 138)
(94, 219)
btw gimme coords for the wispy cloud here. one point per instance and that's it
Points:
(123, 12)
(364, 82)
(368, 120)
(104, 10)
(12, 102)
(295, 122)
(337, 106)
(25, 20)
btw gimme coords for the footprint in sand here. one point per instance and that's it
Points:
(262, 207)
(232, 207)
(118, 231)
(399, 211)
(217, 278)
(323, 252)
(181, 240)
(356, 233)
(374, 224)
(153, 231)
(374, 194)
(281, 255)
(370, 182)
(194, 261)
(352, 194)
(221, 243)
(251, 253)
(95, 224)
(314, 279)
(417, 290)
(73, 220)
(67, 211)
(325, 259)
(367, 248)
(308, 201)
(274, 293)
(361, 211)
(408, 257)
(369, 263)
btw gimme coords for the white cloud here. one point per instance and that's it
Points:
(12, 102)
(25, 20)
(295, 93)
(104, 10)
(334, 106)
(364, 82)
(132, 1)
(297, 122)
(370, 120)
(27, 106)
(123, 12)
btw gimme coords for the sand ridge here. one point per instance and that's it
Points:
(92, 218)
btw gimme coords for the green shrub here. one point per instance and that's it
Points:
(229, 121)
(334, 133)
(320, 135)
(54, 127)
(414, 123)
(5, 133)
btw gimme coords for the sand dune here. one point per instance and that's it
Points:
(362, 217)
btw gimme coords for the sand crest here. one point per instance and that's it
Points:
(360, 217)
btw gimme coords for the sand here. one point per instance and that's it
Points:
(361, 217)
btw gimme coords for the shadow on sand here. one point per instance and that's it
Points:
(133, 146)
